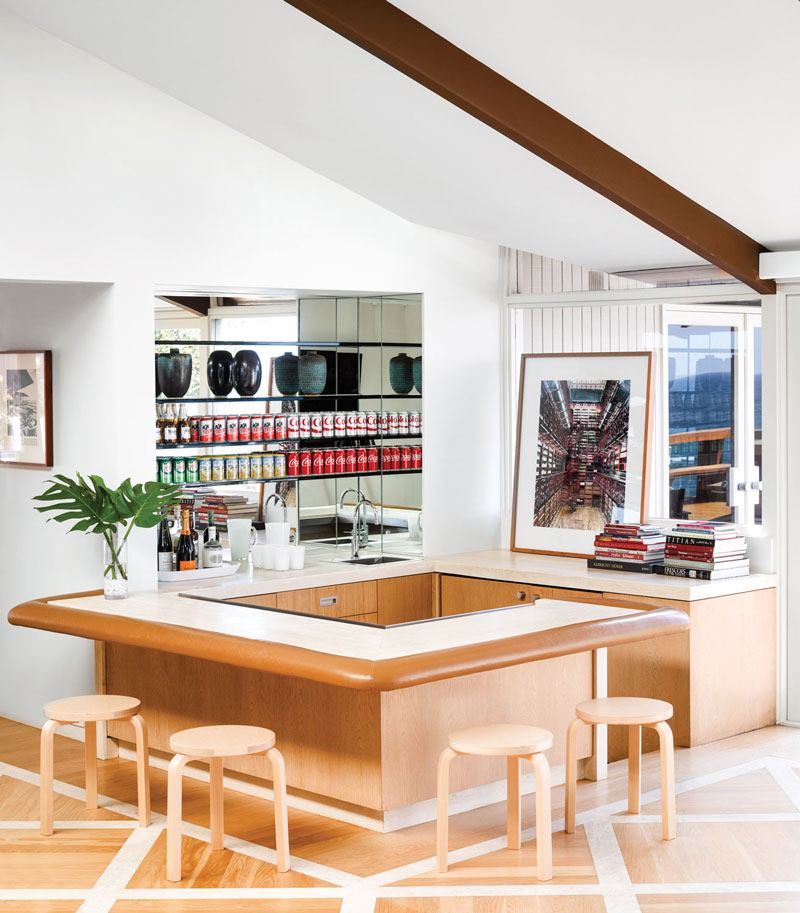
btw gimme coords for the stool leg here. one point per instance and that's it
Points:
(514, 804)
(217, 808)
(634, 770)
(90, 760)
(46, 778)
(142, 770)
(174, 814)
(442, 796)
(571, 784)
(667, 752)
(281, 812)
(544, 823)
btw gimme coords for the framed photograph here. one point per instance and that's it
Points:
(583, 426)
(26, 409)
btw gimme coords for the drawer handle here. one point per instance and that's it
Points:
(520, 594)
(327, 601)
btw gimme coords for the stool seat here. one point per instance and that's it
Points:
(92, 707)
(501, 740)
(624, 711)
(221, 741)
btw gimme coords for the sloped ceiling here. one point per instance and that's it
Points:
(703, 94)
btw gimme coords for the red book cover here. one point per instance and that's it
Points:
(616, 542)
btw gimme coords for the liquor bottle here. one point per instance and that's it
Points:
(212, 548)
(186, 553)
(164, 546)
(170, 426)
(159, 424)
(211, 530)
(184, 426)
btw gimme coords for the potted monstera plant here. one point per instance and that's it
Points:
(92, 506)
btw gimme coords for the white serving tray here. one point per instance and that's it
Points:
(204, 573)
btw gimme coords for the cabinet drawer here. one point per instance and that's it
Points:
(468, 594)
(568, 595)
(332, 601)
(262, 600)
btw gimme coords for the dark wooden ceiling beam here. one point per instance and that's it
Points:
(420, 53)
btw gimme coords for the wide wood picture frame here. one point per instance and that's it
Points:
(550, 515)
(26, 409)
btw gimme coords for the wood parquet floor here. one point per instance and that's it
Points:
(738, 846)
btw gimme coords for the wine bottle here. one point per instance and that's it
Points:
(186, 553)
(184, 426)
(211, 530)
(164, 546)
(170, 425)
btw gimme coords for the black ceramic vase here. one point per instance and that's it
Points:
(246, 372)
(158, 385)
(219, 372)
(286, 377)
(417, 370)
(312, 373)
(174, 373)
(401, 373)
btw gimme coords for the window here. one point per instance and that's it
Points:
(713, 398)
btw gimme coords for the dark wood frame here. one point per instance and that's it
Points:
(648, 411)
(48, 410)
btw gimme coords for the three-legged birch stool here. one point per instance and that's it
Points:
(633, 712)
(514, 743)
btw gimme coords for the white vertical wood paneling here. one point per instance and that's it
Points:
(547, 329)
(567, 315)
(613, 339)
(586, 314)
(536, 330)
(558, 329)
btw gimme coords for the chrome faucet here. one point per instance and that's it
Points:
(359, 537)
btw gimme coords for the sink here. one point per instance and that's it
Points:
(374, 559)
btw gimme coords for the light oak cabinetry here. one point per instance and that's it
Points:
(403, 599)
(341, 601)
(469, 594)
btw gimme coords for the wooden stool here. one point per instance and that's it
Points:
(214, 744)
(91, 709)
(633, 712)
(513, 743)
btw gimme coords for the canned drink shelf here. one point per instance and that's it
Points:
(325, 442)
(292, 344)
(314, 478)
(277, 399)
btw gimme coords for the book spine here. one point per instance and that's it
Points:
(610, 564)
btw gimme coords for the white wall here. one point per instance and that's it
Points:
(104, 179)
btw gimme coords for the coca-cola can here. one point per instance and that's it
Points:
(361, 459)
(327, 424)
(416, 457)
(279, 463)
(372, 459)
(329, 462)
(414, 423)
(350, 459)
(244, 427)
(386, 457)
(405, 458)
(395, 457)
(361, 423)
(317, 462)
(293, 463)
(392, 422)
(340, 424)
(232, 428)
(372, 422)
(269, 428)
(351, 424)
(339, 460)
(402, 423)
(206, 429)
(316, 424)
(292, 426)
(219, 426)
(194, 428)
(383, 423)
(281, 428)
(305, 462)
(305, 425)
(256, 427)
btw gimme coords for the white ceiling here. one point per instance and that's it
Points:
(704, 94)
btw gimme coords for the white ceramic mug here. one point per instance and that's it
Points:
(282, 554)
(241, 536)
(297, 557)
(277, 533)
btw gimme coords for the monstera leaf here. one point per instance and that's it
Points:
(87, 502)
(143, 505)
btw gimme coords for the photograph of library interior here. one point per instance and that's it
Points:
(398, 439)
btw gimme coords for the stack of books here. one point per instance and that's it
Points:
(705, 551)
(628, 547)
(224, 507)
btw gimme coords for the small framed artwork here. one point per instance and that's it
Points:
(583, 426)
(26, 409)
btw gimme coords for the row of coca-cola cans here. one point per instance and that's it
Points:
(294, 426)
(351, 459)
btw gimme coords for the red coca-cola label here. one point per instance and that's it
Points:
(405, 458)
(350, 460)
(292, 463)
(386, 457)
(339, 460)
(395, 457)
(317, 462)
(416, 457)
(232, 429)
(361, 459)
(269, 428)
(372, 459)
(305, 462)
(329, 462)
(256, 427)
(244, 427)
